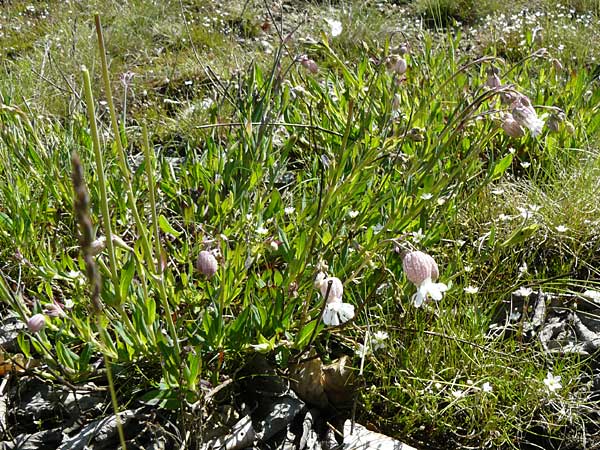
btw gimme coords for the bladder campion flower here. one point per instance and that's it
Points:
(525, 115)
(36, 322)
(207, 264)
(512, 127)
(309, 64)
(493, 80)
(396, 64)
(336, 312)
(422, 270)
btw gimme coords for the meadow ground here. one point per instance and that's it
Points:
(196, 195)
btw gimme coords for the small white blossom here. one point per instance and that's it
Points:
(552, 382)
(335, 26)
(487, 387)
(261, 230)
(426, 196)
(458, 393)
(592, 295)
(525, 164)
(561, 228)
(362, 350)
(524, 291)
(523, 268)
(352, 214)
(289, 210)
(471, 289)
(379, 339)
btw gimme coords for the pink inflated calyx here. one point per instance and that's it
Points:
(419, 266)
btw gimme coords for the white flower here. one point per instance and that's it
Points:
(426, 196)
(561, 228)
(336, 312)
(523, 268)
(428, 289)
(335, 26)
(261, 230)
(379, 339)
(525, 164)
(362, 350)
(458, 393)
(552, 382)
(471, 289)
(592, 295)
(418, 235)
(487, 387)
(523, 292)
(289, 210)
(352, 214)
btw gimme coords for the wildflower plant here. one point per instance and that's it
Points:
(303, 160)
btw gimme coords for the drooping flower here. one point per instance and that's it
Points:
(336, 311)
(309, 64)
(512, 127)
(396, 64)
(525, 115)
(55, 309)
(493, 80)
(36, 322)
(422, 270)
(207, 264)
(552, 383)
(335, 292)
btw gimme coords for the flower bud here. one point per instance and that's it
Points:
(555, 120)
(206, 264)
(419, 266)
(396, 64)
(493, 80)
(511, 127)
(55, 309)
(36, 323)
(309, 64)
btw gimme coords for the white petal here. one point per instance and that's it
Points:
(345, 312)
(330, 316)
(418, 299)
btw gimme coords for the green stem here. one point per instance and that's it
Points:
(148, 155)
(111, 384)
(119, 144)
(89, 97)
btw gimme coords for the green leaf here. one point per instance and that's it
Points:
(126, 277)
(501, 166)
(520, 235)
(166, 227)
(306, 333)
(65, 356)
(166, 399)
